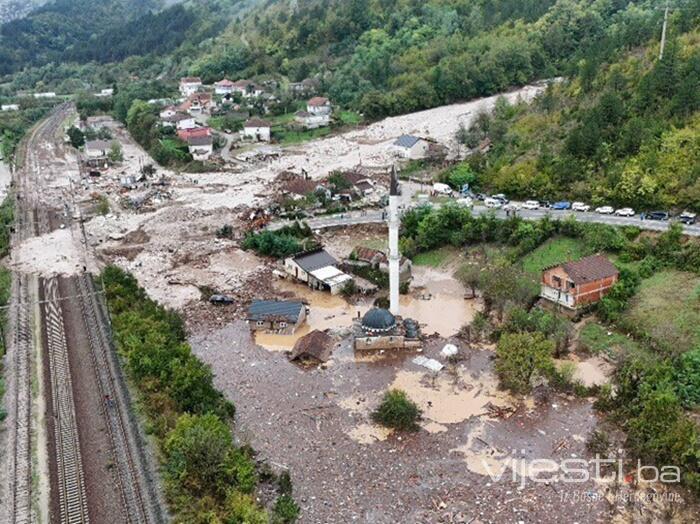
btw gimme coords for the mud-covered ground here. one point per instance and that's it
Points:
(345, 469)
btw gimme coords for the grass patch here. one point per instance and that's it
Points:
(350, 118)
(594, 339)
(666, 311)
(288, 137)
(435, 258)
(552, 252)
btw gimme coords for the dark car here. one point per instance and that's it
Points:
(501, 198)
(221, 299)
(687, 218)
(656, 215)
(561, 206)
(545, 204)
(480, 196)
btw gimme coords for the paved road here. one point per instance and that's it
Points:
(376, 216)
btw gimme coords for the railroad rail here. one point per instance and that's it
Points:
(72, 496)
(124, 445)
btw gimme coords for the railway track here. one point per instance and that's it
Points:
(115, 408)
(72, 498)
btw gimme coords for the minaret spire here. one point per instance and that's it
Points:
(394, 255)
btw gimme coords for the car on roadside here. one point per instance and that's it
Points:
(624, 212)
(221, 300)
(545, 204)
(492, 203)
(531, 204)
(465, 202)
(561, 206)
(501, 198)
(580, 206)
(511, 206)
(656, 215)
(604, 210)
(480, 197)
(687, 218)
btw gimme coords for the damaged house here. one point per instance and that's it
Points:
(375, 259)
(318, 269)
(276, 316)
(314, 348)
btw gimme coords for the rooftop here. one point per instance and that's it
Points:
(318, 101)
(589, 269)
(316, 345)
(97, 145)
(407, 141)
(190, 80)
(275, 309)
(379, 320)
(200, 140)
(257, 122)
(312, 260)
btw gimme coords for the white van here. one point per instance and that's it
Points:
(441, 189)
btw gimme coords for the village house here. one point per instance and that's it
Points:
(9, 107)
(257, 129)
(49, 94)
(299, 188)
(247, 89)
(198, 103)
(189, 85)
(308, 86)
(224, 87)
(96, 153)
(179, 121)
(318, 269)
(411, 147)
(276, 316)
(168, 112)
(105, 93)
(577, 284)
(319, 105)
(200, 147)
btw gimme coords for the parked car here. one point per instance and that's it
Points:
(501, 198)
(492, 203)
(465, 202)
(561, 206)
(580, 206)
(480, 196)
(545, 204)
(656, 215)
(221, 299)
(687, 218)
(625, 212)
(604, 210)
(511, 206)
(531, 204)
(441, 189)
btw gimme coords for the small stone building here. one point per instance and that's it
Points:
(573, 285)
(314, 347)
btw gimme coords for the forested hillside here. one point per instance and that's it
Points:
(392, 56)
(14, 9)
(625, 133)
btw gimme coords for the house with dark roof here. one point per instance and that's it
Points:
(257, 129)
(190, 85)
(200, 146)
(318, 269)
(573, 285)
(411, 147)
(276, 316)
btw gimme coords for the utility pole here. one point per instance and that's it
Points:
(663, 34)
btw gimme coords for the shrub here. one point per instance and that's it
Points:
(397, 411)
(286, 511)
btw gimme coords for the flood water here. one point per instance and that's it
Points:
(436, 301)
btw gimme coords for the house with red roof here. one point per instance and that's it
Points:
(573, 285)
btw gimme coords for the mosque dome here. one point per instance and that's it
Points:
(378, 321)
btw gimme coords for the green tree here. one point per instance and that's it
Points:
(76, 137)
(520, 357)
(115, 152)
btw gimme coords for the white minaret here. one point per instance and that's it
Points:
(394, 255)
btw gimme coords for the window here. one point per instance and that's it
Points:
(283, 325)
(260, 323)
(571, 285)
(557, 281)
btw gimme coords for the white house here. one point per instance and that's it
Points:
(49, 94)
(247, 89)
(189, 85)
(411, 147)
(257, 129)
(224, 87)
(319, 105)
(179, 121)
(104, 93)
(318, 269)
(311, 120)
(9, 107)
(200, 147)
(168, 112)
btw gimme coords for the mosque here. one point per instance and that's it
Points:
(381, 328)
